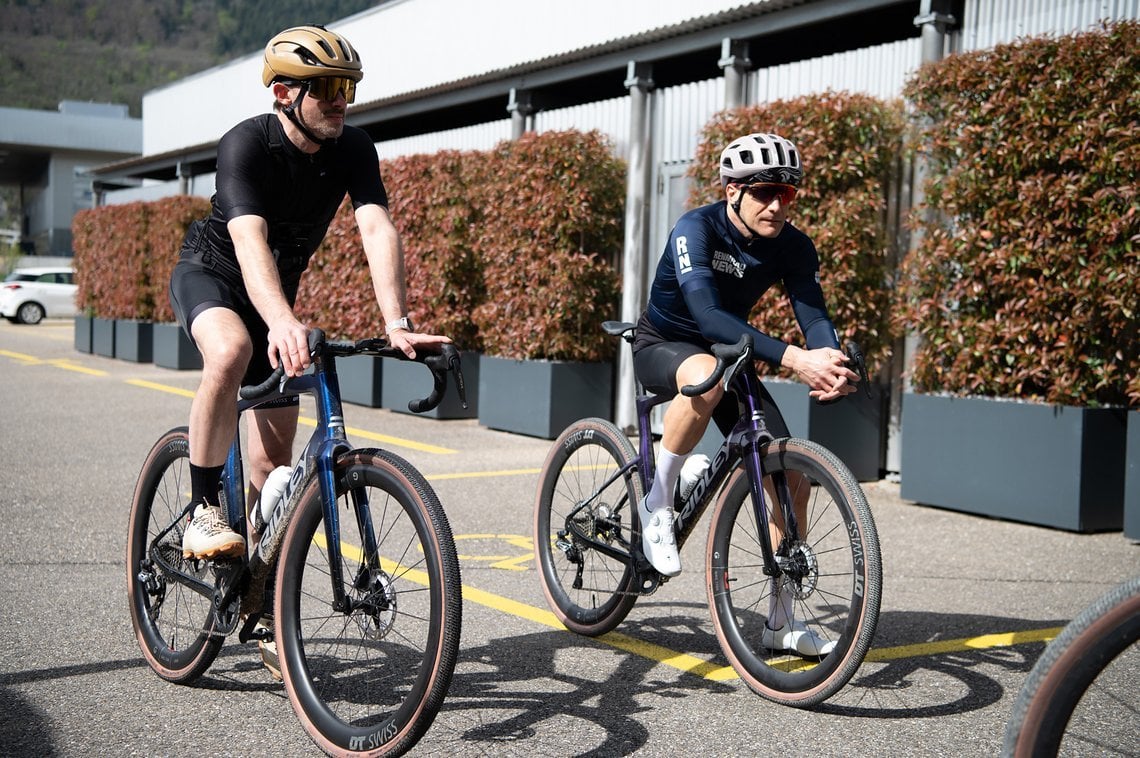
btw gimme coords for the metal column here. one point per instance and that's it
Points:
(521, 108)
(635, 253)
(934, 19)
(736, 64)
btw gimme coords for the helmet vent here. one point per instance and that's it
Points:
(305, 55)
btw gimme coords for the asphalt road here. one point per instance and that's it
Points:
(967, 606)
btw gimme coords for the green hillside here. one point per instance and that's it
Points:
(115, 50)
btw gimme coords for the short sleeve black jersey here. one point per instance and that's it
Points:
(710, 276)
(262, 173)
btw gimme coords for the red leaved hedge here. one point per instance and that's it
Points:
(1026, 282)
(124, 255)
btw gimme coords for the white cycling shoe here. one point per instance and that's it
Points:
(657, 541)
(797, 638)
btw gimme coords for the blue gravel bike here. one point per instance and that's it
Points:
(356, 564)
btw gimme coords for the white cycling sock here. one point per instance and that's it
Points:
(779, 608)
(665, 480)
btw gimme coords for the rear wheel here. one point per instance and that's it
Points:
(173, 623)
(833, 580)
(580, 486)
(369, 678)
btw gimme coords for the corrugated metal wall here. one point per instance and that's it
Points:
(991, 22)
(476, 137)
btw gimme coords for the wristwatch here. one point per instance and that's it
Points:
(404, 323)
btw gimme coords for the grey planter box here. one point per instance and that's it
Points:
(103, 337)
(853, 428)
(83, 333)
(405, 381)
(541, 398)
(1132, 478)
(173, 349)
(361, 379)
(134, 340)
(1049, 465)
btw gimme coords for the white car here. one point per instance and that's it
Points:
(29, 295)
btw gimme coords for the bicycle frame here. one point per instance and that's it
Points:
(318, 459)
(742, 445)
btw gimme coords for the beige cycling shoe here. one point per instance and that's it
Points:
(208, 535)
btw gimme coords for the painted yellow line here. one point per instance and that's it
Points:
(483, 474)
(68, 365)
(983, 642)
(20, 356)
(510, 472)
(386, 439)
(161, 387)
(63, 363)
(683, 661)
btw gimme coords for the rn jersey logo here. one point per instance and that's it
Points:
(684, 265)
(726, 264)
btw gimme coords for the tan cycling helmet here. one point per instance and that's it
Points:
(307, 52)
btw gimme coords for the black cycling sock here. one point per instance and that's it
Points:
(205, 482)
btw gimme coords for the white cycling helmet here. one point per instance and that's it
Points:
(760, 158)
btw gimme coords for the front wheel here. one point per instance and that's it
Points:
(368, 677)
(583, 491)
(173, 623)
(832, 583)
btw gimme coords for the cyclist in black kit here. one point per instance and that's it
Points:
(720, 259)
(281, 177)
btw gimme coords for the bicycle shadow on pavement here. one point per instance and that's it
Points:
(554, 675)
(24, 728)
(909, 674)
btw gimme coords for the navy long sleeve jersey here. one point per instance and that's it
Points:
(710, 277)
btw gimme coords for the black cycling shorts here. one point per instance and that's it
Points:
(194, 288)
(655, 364)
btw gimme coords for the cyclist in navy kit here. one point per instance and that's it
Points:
(720, 259)
(281, 177)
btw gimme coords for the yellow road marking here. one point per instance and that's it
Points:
(20, 356)
(482, 474)
(386, 439)
(510, 472)
(68, 365)
(161, 387)
(506, 562)
(982, 642)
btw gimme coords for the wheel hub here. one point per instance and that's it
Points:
(801, 570)
(375, 612)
